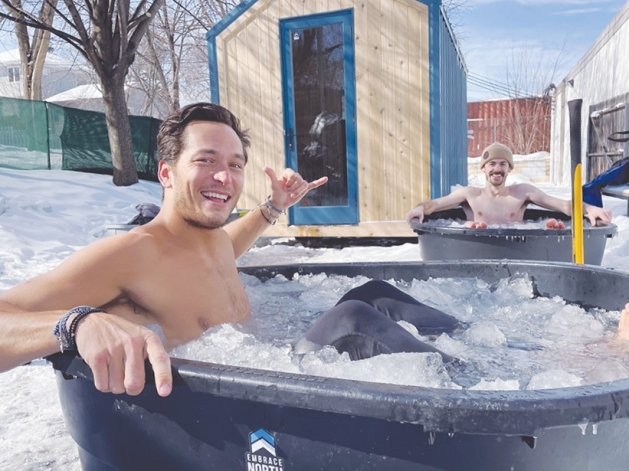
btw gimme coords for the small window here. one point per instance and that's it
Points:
(14, 74)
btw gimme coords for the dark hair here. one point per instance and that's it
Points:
(169, 137)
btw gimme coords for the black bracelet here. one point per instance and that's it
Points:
(61, 332)
(67, 337)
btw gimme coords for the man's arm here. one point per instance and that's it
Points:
(24, 337)
(450, 201)
(286, 190)
(114, 348)
(538, 197)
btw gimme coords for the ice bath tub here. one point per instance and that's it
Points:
(232, 418)
(461, 243)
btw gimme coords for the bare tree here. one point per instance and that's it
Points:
(529, 77)
(33, 49)
(107, 33)
(173, 55)
(454, 11)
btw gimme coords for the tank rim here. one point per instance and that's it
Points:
(532, 215)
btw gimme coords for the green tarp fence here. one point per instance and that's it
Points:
(37, 135)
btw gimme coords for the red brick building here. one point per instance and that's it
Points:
(523, 124)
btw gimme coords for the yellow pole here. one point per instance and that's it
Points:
(574, 110)
(577, 218)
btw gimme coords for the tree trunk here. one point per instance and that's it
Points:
(38, 66)
(119, 130)
(32, 50)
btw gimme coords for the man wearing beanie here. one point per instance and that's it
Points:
(498, 203)
(496, 151)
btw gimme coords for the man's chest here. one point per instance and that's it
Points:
(188, 299)
(499, 209)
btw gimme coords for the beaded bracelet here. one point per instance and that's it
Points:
(66, 338)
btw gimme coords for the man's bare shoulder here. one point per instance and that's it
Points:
(468, 191)
(522, 189)
(127, 245)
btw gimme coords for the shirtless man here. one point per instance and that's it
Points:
(497, 203)
(177, 271)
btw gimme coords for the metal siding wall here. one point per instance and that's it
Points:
(600, 74)
(453, 110)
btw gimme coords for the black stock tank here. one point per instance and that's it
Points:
(440, 242)
(238, 419)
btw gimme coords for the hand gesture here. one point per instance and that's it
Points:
(290, 187)
(115, 350)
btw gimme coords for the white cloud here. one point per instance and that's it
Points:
(577, 11)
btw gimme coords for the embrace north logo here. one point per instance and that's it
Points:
(262, 455)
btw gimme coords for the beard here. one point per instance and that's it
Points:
(197, 219)
(205, 225)
(490, 181)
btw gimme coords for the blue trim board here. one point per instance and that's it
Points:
(287, 94)
(435, 100)
(212, 60)
(351, 139)
(210, 37)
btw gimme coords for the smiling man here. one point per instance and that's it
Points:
(498, 203)
(178, 271)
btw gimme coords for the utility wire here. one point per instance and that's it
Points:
(491, 86)
(496, 86)
(488, 84)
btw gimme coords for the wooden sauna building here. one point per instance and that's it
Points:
(371, 93)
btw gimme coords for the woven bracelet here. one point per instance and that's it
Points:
(275, 208)
(264, 216)
(66, 337)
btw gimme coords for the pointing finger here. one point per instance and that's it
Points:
(317, 183)
(160, 361)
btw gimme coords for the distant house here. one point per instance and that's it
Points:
(59, 75)
(90, 97)
(68, 83)
(601, 80)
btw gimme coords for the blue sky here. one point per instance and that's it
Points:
(521, 45)
(526, 44)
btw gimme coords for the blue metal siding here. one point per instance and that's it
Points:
(448, 105)
(453, 110)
